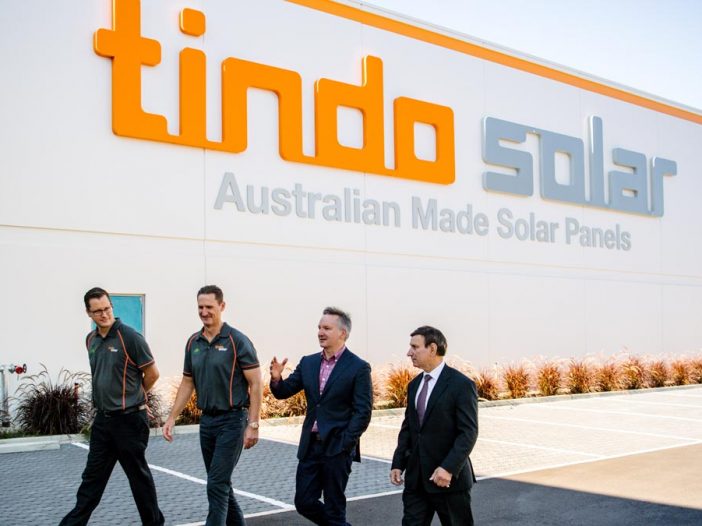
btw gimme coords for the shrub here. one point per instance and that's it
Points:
(486, 385)
(633, 372)
(548, 378)
(516, 378)
(695, 367)
(190, 413)
(657, 373)
(607, 377)
(48, 408)
(396, 382)
(579, 377)
(680, 372)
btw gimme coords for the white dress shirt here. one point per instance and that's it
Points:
(434, 373)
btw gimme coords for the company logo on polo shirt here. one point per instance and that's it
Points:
(130, 51)
(196, 350)
(112, 349)
(220, 347)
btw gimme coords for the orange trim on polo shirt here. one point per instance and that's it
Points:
(231, 376)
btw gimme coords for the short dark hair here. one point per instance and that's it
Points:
(344, 318)
(432, 335)
(212, 289)
(95, 294)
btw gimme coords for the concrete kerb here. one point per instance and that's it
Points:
(33, 443)
(560, 398)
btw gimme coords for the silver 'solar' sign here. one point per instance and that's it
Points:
(628, 191)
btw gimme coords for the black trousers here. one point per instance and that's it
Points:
(316, 475)
(120, 438)
(453, 508)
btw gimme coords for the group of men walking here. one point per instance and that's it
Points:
(221, 366)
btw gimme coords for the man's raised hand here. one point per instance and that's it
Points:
(277, 368)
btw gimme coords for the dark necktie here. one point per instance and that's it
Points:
(422, 400)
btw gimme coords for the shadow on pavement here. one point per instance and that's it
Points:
(503, 502)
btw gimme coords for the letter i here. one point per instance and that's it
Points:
(193, 62)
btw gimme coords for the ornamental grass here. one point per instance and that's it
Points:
(680, 372)
(396, 380)
(271, 407)
(657, 373)
(487, 385)
(516, 378)
(608, 377)
(190, 413)
(634, 375)
(548, 378)
(695, 368)
(579, 376)
(46, 407)
(155, 410)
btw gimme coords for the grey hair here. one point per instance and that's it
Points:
(344, 318)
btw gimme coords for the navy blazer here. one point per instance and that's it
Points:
(445, 438)
(342, 411)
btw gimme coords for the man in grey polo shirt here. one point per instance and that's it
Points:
(222, 367)
(123, 371)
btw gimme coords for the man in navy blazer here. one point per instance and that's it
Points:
(437, 435)
(339, 395)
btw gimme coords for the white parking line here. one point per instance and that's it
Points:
(566, 464)
(608, 411)
(545, 448)
(594, 428)
(273, 502)
(363, 457)
(695, 394)
(668, 404)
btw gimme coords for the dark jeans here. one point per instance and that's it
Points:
(452, 508)
(221, 441)
(120, 438)
(316, 475)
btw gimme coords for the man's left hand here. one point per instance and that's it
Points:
(441, 477)
(250, 437)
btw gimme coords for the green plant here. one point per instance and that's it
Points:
(607, 377)
(52, 408)
(657, 373)
(548, 378)
(633, 371)
(516, 378)
(680, 372)
(486, 385)
(579, 377)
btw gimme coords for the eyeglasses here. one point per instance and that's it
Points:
(99, 312)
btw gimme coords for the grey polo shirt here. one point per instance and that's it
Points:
(116, 363)
(217, 368)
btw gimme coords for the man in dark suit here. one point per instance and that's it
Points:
(437, 435)
(337, 386)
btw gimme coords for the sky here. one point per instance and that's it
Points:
(654, 46)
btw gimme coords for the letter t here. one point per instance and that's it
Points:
(129, 51)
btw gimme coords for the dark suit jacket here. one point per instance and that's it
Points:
(446, 437)
(342, 411)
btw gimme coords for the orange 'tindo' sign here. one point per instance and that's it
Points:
(129, 51)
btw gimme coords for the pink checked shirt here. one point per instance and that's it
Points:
(324, 373)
